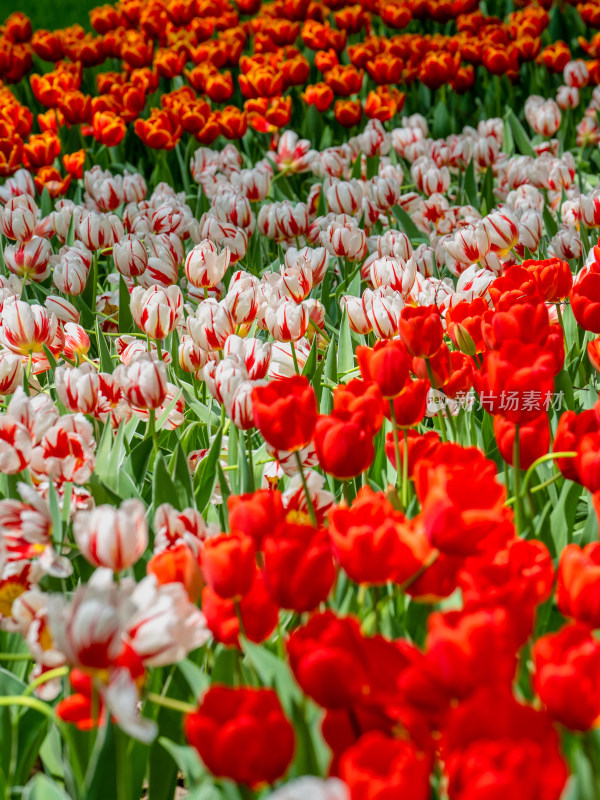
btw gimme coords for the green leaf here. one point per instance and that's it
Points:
(106, 364)
(408, 226)
(471, 185)
(197, 679)
(187, 759)
(441, 120)
(330, 374)
(311, 362)
(521, 139)
(372, 166)
(345, 355)
(357, 167)
(46, 204)
(488, 200)
(163, 488)
(225, 665)
(57, 533)
(550, 222)
(273, 672)
(41, 787)
(30, 730)
(182, 477)
(126, 324)
(205, 477)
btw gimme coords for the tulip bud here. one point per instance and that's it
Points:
(29, 259)
(11, 372)
(143, 381)
(112, 537)
(205, 266)
(26, 328)
(130, 256)
(19, 218)
(156, 311)
(212, 325)
(78, 388)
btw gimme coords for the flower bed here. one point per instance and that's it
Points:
(299, 431)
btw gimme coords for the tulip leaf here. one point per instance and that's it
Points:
(126, 324)
(106, 364)
(310, 365)
(357, 167)
(488, 200)
(206, 475)
(330, 375)
(408, 226)
(470, 185)
(441, 120)
(163, 488)
(508, 144)
(521, 139)
(345, 356)
(41, 787)
(372, 166)
(549, 222)
(30, 732)
(182, 477)
(273, 672)
(187, 759)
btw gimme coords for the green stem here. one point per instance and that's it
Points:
(296, 367)
(29, 702)
(169, 702)
(405, 472)
(309, 502)
(396, 442)
(517, 480)
(250, 459)
(542, 460)
(15, 657)
(58, 672)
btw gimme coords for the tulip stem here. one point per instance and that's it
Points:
(517, 480)
(309, 502)
(170, 702)
(250, 460)
(15, 657)
(152, 426)
(405, 471)
(396, 443)
(561, 322)
(542, 460)
(295, 359)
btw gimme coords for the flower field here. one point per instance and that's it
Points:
(299, 418)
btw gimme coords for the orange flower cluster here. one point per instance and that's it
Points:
(221, 67)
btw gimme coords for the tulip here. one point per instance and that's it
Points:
(156, 311)
(15, 446)
(11, 372)
(285, 413)
(204, 266)
(242, 734)
(255, 613)
(130, 256)
(19, 218)
(566, 665)
(377, 765)
(26, 328)
(386, 364)
(143, 382)
(299, 568)
(228, 565)
(113, 538)
(78, 388)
